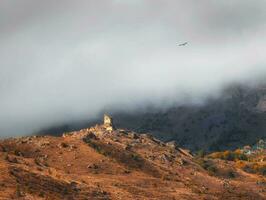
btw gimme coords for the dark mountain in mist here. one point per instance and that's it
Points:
(235, 119)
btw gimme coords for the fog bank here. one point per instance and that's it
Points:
(66, 60)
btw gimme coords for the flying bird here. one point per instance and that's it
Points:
(183, 44)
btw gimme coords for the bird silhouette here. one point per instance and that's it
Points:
(183, 44)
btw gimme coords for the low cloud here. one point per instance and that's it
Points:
(64, 61)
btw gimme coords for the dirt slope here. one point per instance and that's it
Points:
(95, 163)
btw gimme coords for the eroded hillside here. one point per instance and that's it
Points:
(107, 163)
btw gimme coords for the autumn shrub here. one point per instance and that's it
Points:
(240, 164)
(229, 155)
(255, 168)
(259, 168)
(262, 170)
(207, 165)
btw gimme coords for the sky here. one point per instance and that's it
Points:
(65, 60)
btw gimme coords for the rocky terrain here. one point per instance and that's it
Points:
(103, 162)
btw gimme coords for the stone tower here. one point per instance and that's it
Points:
(108, 123)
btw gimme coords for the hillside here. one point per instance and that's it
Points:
(235, 119)
(102, 162)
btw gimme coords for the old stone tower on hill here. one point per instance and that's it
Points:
(108, 123)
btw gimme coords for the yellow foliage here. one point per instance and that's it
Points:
(229, 155)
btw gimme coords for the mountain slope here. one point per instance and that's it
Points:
(101, 163)
(236, 119)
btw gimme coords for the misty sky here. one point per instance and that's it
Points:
(67, 60)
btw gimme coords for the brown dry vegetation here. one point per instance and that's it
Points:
(98, 164)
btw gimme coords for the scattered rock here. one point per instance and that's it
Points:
(127, 171)
(172, 144)
(89, 136)
(18, 153)
(40, 161)
(11, 159)
(116, 140)
(128, 147)
(133, 135)
(44, 144)
(63, 145)
(72, 147)
(93, 166)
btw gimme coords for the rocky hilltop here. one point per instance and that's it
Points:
(103, 162)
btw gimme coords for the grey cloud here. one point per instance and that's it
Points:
(67, 60)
